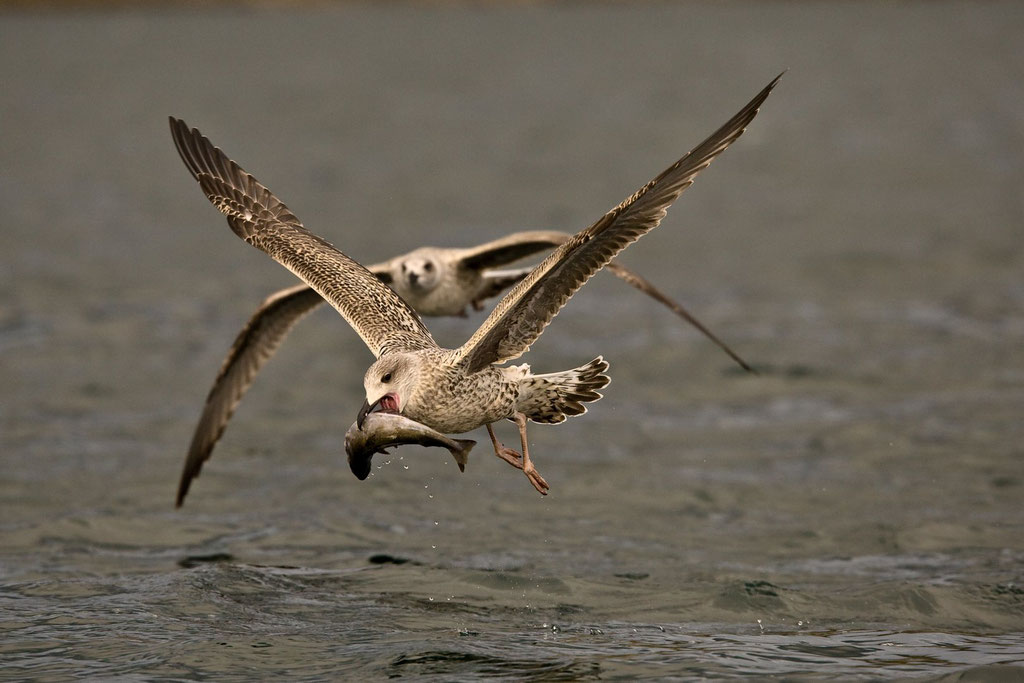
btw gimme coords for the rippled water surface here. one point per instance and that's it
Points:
(854, 511)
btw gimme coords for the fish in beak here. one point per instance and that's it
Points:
(382, 430)
(389, 403)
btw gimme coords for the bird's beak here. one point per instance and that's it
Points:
(365, 410)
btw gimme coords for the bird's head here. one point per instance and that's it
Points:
(389, 383)
(420, 272)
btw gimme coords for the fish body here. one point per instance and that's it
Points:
(381, 430)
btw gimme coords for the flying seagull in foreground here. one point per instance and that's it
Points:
(455, 390)
(432, 280)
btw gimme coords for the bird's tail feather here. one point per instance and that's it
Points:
(551, 398)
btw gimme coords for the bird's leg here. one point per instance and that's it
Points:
(509, 455)
(528, 469)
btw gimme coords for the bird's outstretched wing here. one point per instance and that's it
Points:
(521, 316)
(497, 281)
(384, 322)
(253, 347)
(509, 248)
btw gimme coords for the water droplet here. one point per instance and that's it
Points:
(435, 522)
(434, 547)
(405, 467)
(430, 495)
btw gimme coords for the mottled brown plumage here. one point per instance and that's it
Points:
(460, 389)
(377, 314)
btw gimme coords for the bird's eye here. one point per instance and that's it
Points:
(405, 268)
(428, 267)
(386, 378)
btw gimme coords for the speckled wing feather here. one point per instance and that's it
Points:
(510, 248)
(253, 347)
(521, 316)
(380, 317)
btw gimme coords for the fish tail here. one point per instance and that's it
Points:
(462, 454)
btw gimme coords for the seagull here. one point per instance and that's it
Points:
(438, 281)
(450, 390)
(424, 278)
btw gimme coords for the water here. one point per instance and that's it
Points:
(853, 512)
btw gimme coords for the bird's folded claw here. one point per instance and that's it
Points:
(511, 456)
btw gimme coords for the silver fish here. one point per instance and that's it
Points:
(381, 430)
